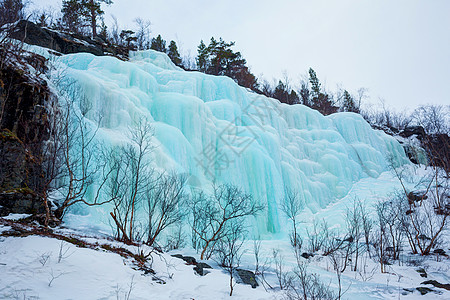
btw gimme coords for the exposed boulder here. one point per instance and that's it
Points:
(199, 267)
(437, 284)
(247, 277)
(413, 130)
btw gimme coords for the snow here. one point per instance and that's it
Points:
(29, 264)
(16, 216)
(33, 268)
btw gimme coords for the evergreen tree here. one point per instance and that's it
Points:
(128, 37)
(305, 94)
(158, 44)
(283, 94)
(78, 14)
(315, 84)
(92, 11)
(293, 98)
(349, 103)
(202, 58)
(72, 19)
(173, 53)
(319, 100)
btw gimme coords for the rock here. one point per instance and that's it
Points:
(412, 130)
(247, 277)
(445, 286)
(200, 268)
(188, 259)
(423, 237)
(439, 251)
(416, 196)
(407, 291)
(64, 43)
(33, 34)
(422, 272)
(424, 290)
(307, 255)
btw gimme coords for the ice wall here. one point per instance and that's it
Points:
(213, 129)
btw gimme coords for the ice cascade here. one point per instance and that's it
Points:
(213, 129)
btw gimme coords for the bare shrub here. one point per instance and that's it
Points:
(291, 207)
(228, 249)
(211, 214)
(306, 286)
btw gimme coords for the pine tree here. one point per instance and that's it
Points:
(78, 14)
(315, 84)
(72, 19)
(92, 11)
(349, 103)
(129, 38)
(319, 100)
(219, 59)
(305, 94)
(202, 57)
(158, 44)
(173, 53)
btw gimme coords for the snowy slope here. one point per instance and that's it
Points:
(212, 129)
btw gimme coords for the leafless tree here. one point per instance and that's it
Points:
(426, 212)
(228, 250)
(433, 118)
(317, 235)
(177, 239)
(306, 286)
(284, 277)
(142, 33)
(291, 207)
(379, 239)
(165, 204)
(115, 31)
(131, 177)
(211, 214)
(354, 222)
(70, 157)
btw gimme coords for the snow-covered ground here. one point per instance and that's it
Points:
(41, 267)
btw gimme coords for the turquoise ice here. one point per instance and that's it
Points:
(214, 130)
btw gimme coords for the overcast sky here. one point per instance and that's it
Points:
(398, 49)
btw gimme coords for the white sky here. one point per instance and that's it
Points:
(398, 49)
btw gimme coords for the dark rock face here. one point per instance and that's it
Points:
(64, 43)
(247, 277)
(413, 130)
(23, 128)
(33, 34)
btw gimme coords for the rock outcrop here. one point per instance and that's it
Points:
(23, 129)
(64, 43)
